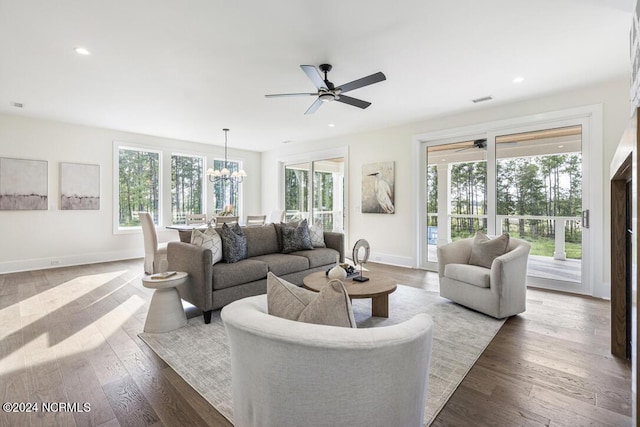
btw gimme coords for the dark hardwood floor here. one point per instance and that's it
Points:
(70, 335)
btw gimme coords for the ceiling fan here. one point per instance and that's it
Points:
(327, 91)
(480, 144)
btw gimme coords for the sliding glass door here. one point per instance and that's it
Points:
(315, 191)
(539, 198)
(456, 192)
(526, 182)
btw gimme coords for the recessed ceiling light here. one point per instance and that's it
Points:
(444, 160)
(82, 51)
(331, 125)
(560, 146)
(518, 80)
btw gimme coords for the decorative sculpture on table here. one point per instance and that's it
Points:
(360, 256)
(337, 272)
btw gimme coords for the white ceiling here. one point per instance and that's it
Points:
(186, 69)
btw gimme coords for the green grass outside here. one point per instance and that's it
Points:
(545, 246)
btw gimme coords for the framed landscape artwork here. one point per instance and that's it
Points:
(23, 184)
(378, 188)
(79, 186)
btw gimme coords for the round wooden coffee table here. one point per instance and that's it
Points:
(378, 288)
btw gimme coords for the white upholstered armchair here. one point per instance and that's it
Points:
(289, 373)
(499, 291)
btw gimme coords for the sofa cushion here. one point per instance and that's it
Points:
(319, 257)
(331, 306)
(485, 250)
(296, 238)
(208, 239)
(244, 271)
(261, 240)
(234, 243)
(471, 274)
(281, 264)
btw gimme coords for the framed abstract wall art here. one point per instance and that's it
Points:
(23, 184)
(378, 188)
(79, 186)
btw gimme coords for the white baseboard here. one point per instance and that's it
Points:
(389, 259)
(65, 261)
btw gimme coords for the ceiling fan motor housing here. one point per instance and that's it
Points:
(327, 97)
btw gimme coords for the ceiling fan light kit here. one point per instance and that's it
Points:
(328, 92)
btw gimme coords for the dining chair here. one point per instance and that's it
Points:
(256, 219)
(228, 219)
(276, 217)
(196, 219)
(155, 255)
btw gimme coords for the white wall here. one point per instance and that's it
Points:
(35, 239)
(391, 236)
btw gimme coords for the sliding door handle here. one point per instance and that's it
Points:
(585, 218)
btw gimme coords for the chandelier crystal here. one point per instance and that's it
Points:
(224, 175)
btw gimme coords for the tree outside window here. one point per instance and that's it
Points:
(138, 185)
(186, 187)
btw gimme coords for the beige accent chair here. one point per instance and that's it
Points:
(155, 255)
(289, 373)
(196, 219)
(500, 291)
(256, 219)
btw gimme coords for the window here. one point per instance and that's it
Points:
(321, 202)
(296, 193)
(226, 192)
(138, 185)
(186, 187)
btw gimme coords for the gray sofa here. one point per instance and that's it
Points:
(211, 287)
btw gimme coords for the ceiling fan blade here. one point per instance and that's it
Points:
(365, 81)
(353, 101)
(314, 107)
(276, 95)
(314, 75)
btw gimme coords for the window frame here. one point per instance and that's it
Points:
(205, 181)
(117, 146)
(311, 157)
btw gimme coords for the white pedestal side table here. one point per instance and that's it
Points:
(165, 310)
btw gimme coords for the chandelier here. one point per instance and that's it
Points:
(225, 175)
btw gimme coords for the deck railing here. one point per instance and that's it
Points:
(330, 220)
(506, 223)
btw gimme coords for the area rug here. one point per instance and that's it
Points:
(199, 353)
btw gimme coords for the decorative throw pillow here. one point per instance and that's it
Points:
(485, 250)
(317, 236)
(331, 306)
(208, 239)
(278, 227)
(234, 243)
(296, 238)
